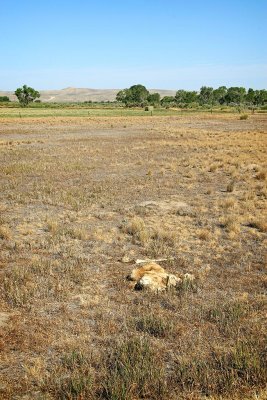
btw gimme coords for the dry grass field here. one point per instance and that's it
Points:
(81, 200)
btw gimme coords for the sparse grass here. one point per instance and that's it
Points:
(72, 378)
(40, 280)
(57, 229)
(154, 325)
(227, 316)
(223, 371)
(71, 326)
(137, 229)
(228, 203)
(231, 223)
(134, 372)
(5, 232)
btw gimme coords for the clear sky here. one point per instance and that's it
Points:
(171, 44)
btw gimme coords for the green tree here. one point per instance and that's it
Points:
(206, 95)
(235, 95)
(180, 96)
(219, 94)
(136, 95)
(122, 95)
(4, 99)
(168, 101)
(260, 97)
(26, 95)
(250, 96)
(185, 97)
(190, 97)
(153, 99)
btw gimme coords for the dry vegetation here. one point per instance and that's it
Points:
(80, 200)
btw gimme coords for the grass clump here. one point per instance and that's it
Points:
(5, 233)
(261, 176)
(258, 224)
(72, 378)
(230, 187)
(231, 223)
(133, 372)
(155, 326)
(228, 316)
(243, 117)
(224, 371)
(40, 280)
(137, 229)
(161, 243)
(204, 234)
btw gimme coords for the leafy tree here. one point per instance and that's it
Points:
(4, 99)
(26, 95)
(190, 97)
(153, 98)
(180, 96)
(185, 97)
(260, 97)
(250, 96)
(136, 95)
(206, 95)
(168, 101)
(122, 96)
(219, 94)
(235, 95)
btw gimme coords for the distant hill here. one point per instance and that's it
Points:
(82, 94)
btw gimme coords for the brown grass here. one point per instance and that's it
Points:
(81, 199)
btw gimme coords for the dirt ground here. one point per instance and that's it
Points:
(81, 200)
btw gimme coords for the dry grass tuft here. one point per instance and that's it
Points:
(137, 229)
(230, 187)
(204, 234)
(231, 223)
(5, 232)
(240, 366)
(259, 224)
(261, 176)
(72, 377)
(228, 203)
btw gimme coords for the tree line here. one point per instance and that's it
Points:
(139, 96)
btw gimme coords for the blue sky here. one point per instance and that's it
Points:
(172, 44)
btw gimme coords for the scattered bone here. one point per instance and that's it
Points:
(148, 260)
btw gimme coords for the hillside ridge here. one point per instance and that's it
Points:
(72, 94)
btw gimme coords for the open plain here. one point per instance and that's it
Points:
(82, 198)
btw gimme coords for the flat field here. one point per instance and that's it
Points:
(82, 198)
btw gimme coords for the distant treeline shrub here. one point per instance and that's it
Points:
(207, 97)
(4, 99)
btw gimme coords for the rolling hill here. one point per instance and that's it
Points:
(71, 94)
